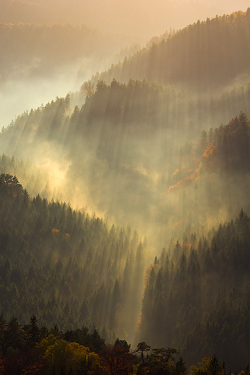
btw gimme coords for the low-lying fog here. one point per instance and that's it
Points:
(23, 92)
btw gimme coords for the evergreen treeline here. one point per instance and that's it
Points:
(120, 150)
(206, 55)
(54, 263)
(64, 266)
(196, 295)
(147, 108)
(137, 110)
(227, 149)
(210, 177)
(126, 138)
(133, 111)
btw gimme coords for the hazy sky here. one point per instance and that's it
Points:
(144, 17)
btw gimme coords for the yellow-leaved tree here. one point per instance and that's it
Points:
(61, 355)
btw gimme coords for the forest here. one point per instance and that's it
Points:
(202, 63)
(124, 201)
(31, 350)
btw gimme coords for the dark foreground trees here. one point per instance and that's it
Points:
(34, 350)
(31, 349)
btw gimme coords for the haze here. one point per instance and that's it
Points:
(134, 115)
(134, 22)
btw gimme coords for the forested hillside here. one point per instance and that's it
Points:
(132, 144)
(196, 295)
(203, 55)
(161, 143)
(65, 267)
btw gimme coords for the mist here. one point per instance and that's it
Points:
(23, 95)
(138, 17)
(55, 60)
(131, 146)
(149, 178)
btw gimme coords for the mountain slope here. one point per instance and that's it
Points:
(203, 55)
(197, 295)
(66, 267)
(123, 151)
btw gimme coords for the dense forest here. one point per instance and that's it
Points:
(203, 275)
(117, 132)
(197, 295)
(124, 205)
(64, 266)
(193, 56)
(207, 63)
